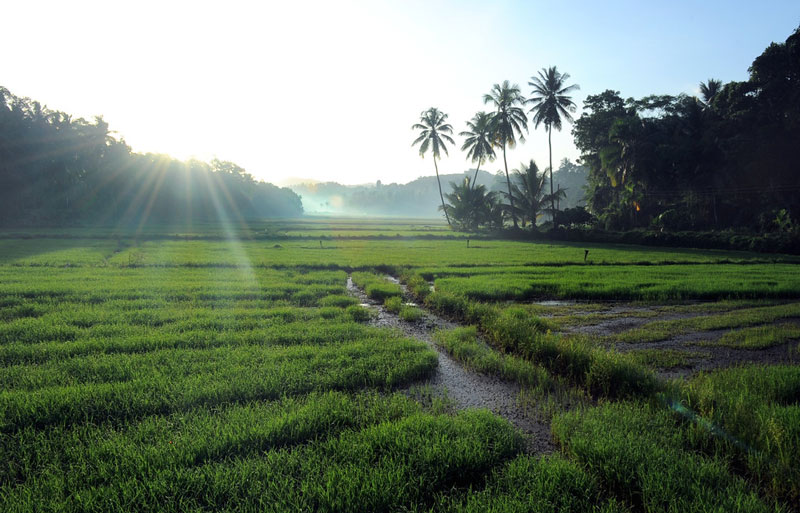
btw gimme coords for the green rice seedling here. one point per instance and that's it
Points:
(663, 330)
(751, 412)
(393, 304)
(129, 340)
(358, 313)
(338, 300)
(432, 400)
(382, 291)
(330, 312)
(394, 465)
(366, 254)
(759, 337)
(101, 453)
(56, 251)
(131, 386)
(546, 402)
(416, 284)
(461, 309)
(376, 287)
(638, 454)
(411, 313)
(551, 484)
(20, 309)
(513, 329)
(618, 375)
(628, 282)
(463, 345)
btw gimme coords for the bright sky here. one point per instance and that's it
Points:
(328, 90)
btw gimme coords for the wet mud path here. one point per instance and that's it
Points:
(465, 388)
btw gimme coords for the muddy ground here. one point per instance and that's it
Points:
(699, 345)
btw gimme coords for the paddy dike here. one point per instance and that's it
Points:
(465, 388)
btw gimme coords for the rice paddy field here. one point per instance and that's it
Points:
(297, 366)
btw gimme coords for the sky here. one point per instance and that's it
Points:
(328, 90)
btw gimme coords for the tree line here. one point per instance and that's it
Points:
(725, 159)
(55, 170)
(472, 206)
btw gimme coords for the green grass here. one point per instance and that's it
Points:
(393, 304)
(215, 368)
(131, 386)
(389, 466)
(627, 282)
(107, 248)
(463, 345)
(101, 451)
(411, 313)
(408, 313)
(547, 485)
(638, 453)
(376, 287)
(751, 414)
(513, 329)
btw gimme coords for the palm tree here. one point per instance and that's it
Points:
(469, 205)
(551, 103)
(433, 135)
(529, 191)
(508, 122)
(478, 142)
(709, 90)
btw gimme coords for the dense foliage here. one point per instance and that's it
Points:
(55, 170)
(681, 162)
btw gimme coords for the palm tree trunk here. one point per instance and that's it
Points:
(552, 197)
(508, 181)
(438, 182)
(474, 180)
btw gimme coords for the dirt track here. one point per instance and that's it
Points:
(465, 388)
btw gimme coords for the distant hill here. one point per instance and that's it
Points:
(420, 197)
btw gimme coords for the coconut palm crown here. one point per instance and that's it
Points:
(509, 120)
(434, 132)
(709, 90)
(551, 103)
(478, 142)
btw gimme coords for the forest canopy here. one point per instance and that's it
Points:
(727, 159)
(57, 170)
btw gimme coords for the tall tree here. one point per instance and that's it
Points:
(508, 122)
(529, 191)
(433, 134)
(709, 90)
(469, 206)
(478, 142)
(551, 103)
